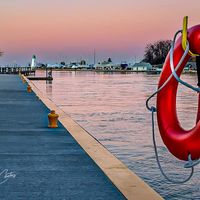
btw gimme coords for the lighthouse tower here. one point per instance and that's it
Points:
(33, 62)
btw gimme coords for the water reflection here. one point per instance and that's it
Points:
(49, 88)
(112, 108)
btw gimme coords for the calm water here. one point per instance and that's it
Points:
(111, 106)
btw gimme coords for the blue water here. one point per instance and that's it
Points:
(111, 106)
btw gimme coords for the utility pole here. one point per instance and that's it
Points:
(94, 56)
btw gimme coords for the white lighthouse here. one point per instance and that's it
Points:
(33, 62)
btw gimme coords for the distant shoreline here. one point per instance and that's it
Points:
(118, 71)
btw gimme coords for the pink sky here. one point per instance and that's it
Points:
(68, 30)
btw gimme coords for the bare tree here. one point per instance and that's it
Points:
(1, 53)
(156, 53)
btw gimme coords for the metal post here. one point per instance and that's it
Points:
(198, 78)
(198, 69)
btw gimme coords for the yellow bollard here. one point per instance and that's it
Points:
(53, 119)
(29, 90)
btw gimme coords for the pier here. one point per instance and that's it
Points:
(16, 70)
(62, 163)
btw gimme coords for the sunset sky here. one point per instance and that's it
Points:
(68, 30)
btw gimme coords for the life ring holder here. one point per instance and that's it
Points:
(186, 54)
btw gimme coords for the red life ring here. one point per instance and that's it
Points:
(180, 142)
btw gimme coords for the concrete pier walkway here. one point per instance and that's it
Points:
(41, 163)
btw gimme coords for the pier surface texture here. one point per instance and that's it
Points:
(42, 163)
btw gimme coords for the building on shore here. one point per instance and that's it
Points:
(142, 66)
(79, 65)
(56, 65)
(105, 65)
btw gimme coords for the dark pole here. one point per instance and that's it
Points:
(198, 76)
(198, 69)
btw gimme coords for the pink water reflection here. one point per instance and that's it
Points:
(112, 108)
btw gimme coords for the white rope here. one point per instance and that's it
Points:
(158, 161)
(196, 89)
(171, 75)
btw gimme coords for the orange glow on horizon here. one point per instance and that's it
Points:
(77, 27)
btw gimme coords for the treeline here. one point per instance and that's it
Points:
(156, 53)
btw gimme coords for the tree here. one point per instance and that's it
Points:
(109, 60)
(156, 53)
(1, 53)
